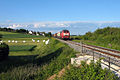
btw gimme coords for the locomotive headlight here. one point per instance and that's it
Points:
(66, 34)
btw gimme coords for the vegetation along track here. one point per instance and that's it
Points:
(109, 55)
(110, 52)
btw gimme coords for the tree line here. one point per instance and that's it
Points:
(25, 32)
(14, 30)
(110, 34)
(106, 37)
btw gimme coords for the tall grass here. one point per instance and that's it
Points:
(107, 37)
(49, 59)
(88, 72)
(17, 35)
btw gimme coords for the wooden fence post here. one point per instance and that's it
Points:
(109, 63)
(99, 55)
(93, 55)
(82, 46)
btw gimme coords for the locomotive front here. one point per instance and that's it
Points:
(65, 34)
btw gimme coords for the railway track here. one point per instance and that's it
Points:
(111, 57)
(110, 52)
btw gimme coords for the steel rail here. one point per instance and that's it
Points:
(102, 48)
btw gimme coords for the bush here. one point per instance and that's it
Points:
(4, 51)
(104, 37)
(0, 35)
(88, 72)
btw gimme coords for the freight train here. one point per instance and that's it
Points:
(64, 34)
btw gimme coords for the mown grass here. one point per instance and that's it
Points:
(21, 47)
(17, 35)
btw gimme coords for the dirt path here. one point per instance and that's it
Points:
(59, 74)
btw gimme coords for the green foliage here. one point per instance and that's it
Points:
(104, 37)
(0, 35)
(45, 61)
(74, 37)
(88, 72)
(21, 31)
(13, 30)
(87, 36)
(48, 34)
(17, 35)
(22, 47)
(4, 51)
(6, 29)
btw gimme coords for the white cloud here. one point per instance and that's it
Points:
(10, 27)
(50, 24)
(36, 25)
(43, 25)
(14, 26)
(62, 24)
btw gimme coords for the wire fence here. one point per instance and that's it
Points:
(112, 62)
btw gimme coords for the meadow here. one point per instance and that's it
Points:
(38, 61)
(17, 35)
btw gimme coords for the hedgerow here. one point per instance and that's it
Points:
(4, 51)
(107, 37)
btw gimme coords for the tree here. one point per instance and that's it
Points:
(21, 31)
(87, 36)
(49, 34)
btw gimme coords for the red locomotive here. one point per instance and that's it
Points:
(64, 34)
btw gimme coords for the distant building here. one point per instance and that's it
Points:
(37, 33)
(43, 34)
(30, 32)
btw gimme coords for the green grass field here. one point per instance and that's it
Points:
(17, 35)
(22, 47)
(35, 60)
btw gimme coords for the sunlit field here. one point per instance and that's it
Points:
(33, 59)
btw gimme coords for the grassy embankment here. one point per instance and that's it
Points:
(42, 61)
(108, 37)
(36, 64)
(88, 72)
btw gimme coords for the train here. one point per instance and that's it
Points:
(64, 34)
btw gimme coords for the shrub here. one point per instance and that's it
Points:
(4, 51)
(88, 72)
(0, 35)
(103, 37)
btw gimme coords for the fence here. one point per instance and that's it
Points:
(112, 61)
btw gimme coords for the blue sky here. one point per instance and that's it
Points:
(59, 10)
(34, 11)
